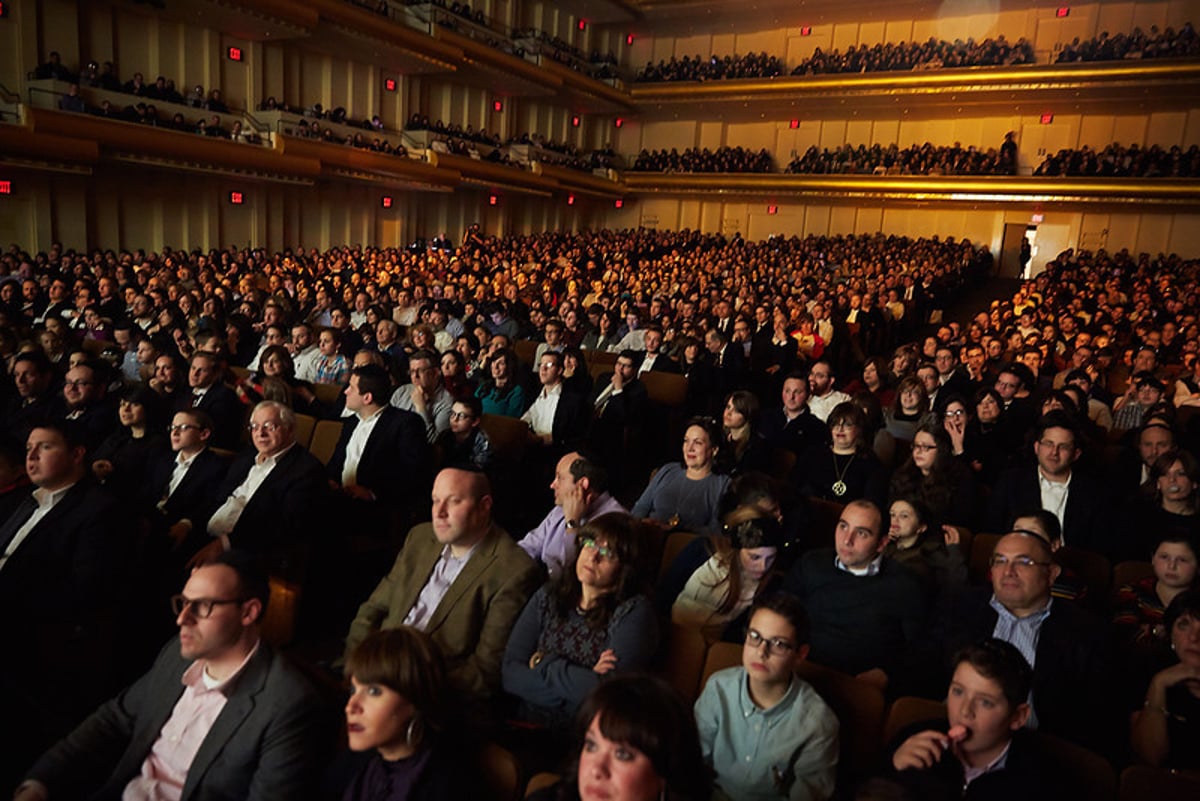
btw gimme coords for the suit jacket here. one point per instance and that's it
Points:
(196, 496)
(395, 460)
(621, 410)
(227, 413)
(1086, 521)
(1072, 676)
(571, 417)
(472, 623)
(264, 744)
(664, 364)
(286, 507)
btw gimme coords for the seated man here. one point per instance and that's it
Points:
(793, 425)
(981, 750)
(183, 482)
(272, 495)
(85, 403)
(1067, 647)
(219, 714)
(557, 415)
(866, 610)
(32, 375)
(210, 395)
(580, 494)
(425, 395)
(763, 708)
(460, 579)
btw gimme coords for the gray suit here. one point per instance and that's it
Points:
(264, 744)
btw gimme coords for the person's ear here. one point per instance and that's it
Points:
(584, 484)
(252, 611)
(205, 433)
(800, 655)
(1020, 717)
(1055, 570)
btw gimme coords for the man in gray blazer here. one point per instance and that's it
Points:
(220, 715)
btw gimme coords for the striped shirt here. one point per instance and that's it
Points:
(1023, 634)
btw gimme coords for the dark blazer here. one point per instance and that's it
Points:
(1088, 517)
(664, 364)
(286, 508)
(621, 410)
(196, 496)
(395, 461)
(797, 435)
(1072, 676)
(227, 413)
(265, 743)
(571, 418)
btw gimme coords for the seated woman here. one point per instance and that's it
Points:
(119, 462)
(981, 750)
(763, 708)
(933, 475)
(331, 366)
(934, 555)
(465, 444)
(686, 496)
(502, 394)
(637, 741)
(576, 377)
(396, 717)
(1169, 501)
(1166, 733)
(743, 449)
(846, 469)
(987, 443)
(875, 381)
(908, 410)
(714, 580)
(454, 375)
(590, 622)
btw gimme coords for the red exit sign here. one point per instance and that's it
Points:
(235, 53)
(237, 198)
(5, 187)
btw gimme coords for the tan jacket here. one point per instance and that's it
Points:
(472, 623)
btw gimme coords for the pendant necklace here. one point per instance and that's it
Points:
(839, 485)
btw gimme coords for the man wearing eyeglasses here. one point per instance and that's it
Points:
(182, 483)
(271, 497)
(1076, 498)
(218, 715)
(84, 401)
(1068, 648)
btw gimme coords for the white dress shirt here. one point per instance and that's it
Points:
(225, 519)
(1054, 498)
(356, 446)
(46, 500)
(540, 415)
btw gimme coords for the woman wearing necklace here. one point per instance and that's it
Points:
(846, 469)
(687, 496)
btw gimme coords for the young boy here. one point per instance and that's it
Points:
(981, 750)
(766, 733)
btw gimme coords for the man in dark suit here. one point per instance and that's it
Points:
(60, 572)
(793, 426)
(558, 416)
(32, 376)
(84, 402)
(213, 397)
(219, 715)
(618, 406)
(729, 365)
(382, 456)
(1067, 647)
(1077, 499)
(654, 359)
(273, 496)
(183, 482)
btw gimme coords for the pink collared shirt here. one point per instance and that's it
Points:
(166, 767)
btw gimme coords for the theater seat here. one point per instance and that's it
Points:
(305, 424)
(328, 393)
(978, 568)
(676, 542)
(684, 660)
(665, 389)
(500, 772)
(1142, 782)
(909, 710)
(540, 781)
(324, 440)
(1129, 572)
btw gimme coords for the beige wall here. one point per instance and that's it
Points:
(1170, 233)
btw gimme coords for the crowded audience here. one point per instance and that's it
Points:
(166, 404)
(1118, 161)
(695, 159)
(923, 159)
(933, 54)
(1138, 44)
(716, 68)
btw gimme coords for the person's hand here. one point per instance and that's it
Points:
(1180, 672)
(358, 492)
(418, 400)
(206, 554)
(575, 503)
(618, 381)
(875, 677)
(608, 661)
(921, 751)
(31, 791)
(178, 533)
(102, 468)
(952, 535)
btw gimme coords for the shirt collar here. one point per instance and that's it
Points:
(1046, 482)
(550, 392)
(1035, 617)
(48, 498)
(870, 570)
(183, 461)
(196, 676)
(750, 708)
(999, 763)
(373, 417)
(259, 460)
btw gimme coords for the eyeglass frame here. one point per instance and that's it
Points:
(184, 603)
(603, 551)
(1019, 562)
(778, 645)
(173, 427)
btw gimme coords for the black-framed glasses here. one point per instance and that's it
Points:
(1020, 562)
(201, 607)
(775, 645)
(461, 416)
(181, 427)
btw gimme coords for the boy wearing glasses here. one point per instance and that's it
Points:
(766, 733)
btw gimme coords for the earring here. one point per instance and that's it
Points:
(414, 732)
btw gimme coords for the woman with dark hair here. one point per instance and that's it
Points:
(1169, 502)
(120, 460)
(502, 394)
(714, 580)
(986, 444)
(1166, 733)
(576, 378)
(454, 375)
(875, 375)
(637, 742)
(604, 336)
(909, 409)
(932, 475)
(846, 469)
(687, 496)
(397, 716)
(587, 624)
(933, 554)
(743, 449)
